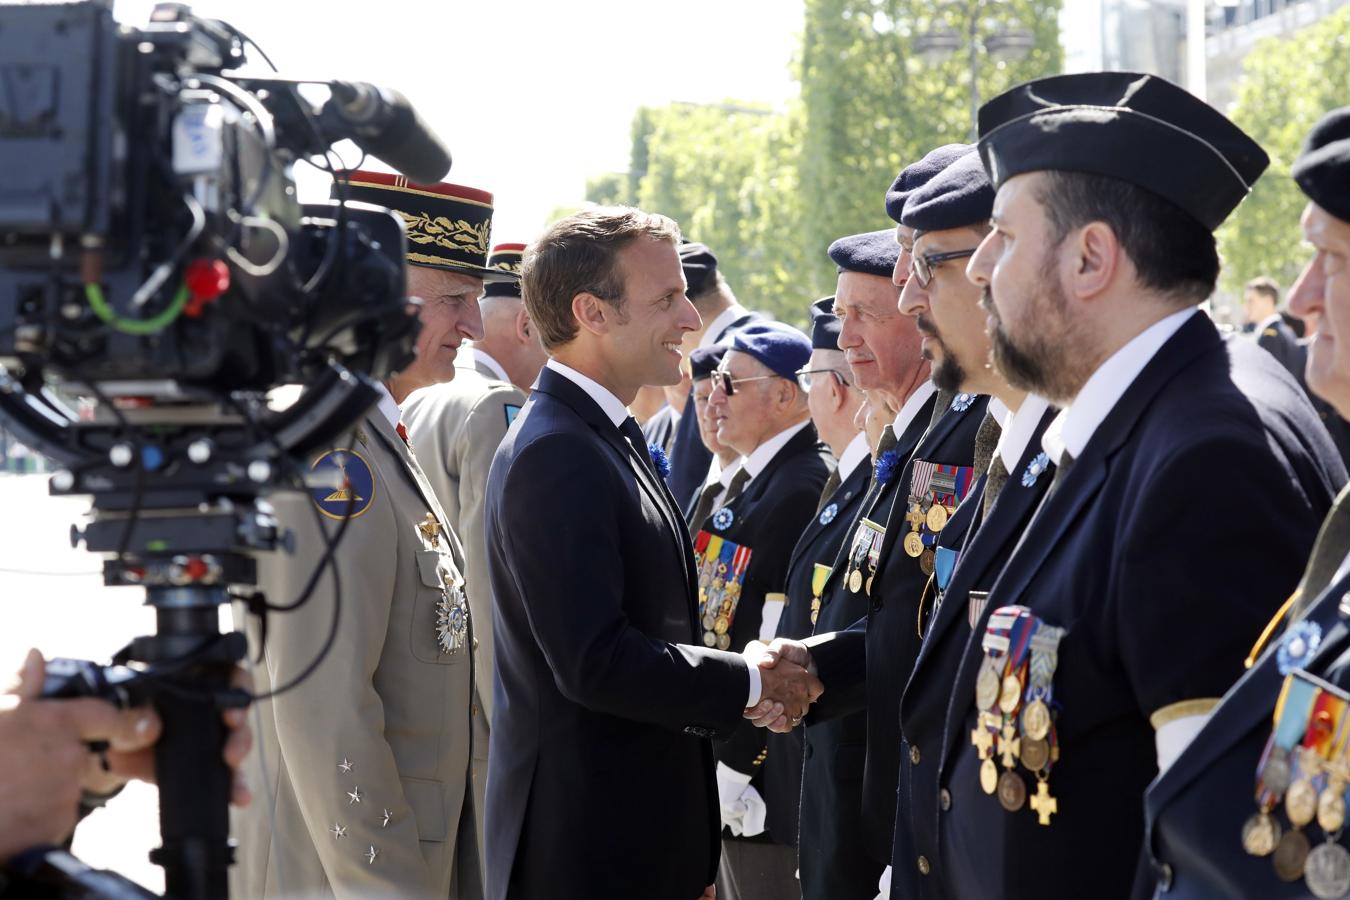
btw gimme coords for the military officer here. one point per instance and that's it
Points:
(362, 769)
(1222, 820)
(1128, 605)
(1261, 300)
(741, 554)
(950, 216)
(455, 427)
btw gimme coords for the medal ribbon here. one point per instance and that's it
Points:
(921, 478)
(1044, 660)
(955, 482)
(731, 596)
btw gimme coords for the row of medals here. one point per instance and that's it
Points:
(717, 616)
(998, 701)
(935, 516)
(1326, 868)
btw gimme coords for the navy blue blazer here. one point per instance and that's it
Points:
(879, 650)
(601, 774)
(1180, 529)
(984, 549)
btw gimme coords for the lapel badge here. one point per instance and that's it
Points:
(1035, 468)
(452, 619)
(961, 402)
(828, 513)
(430, 528)
(723, 518)
(1298, 645)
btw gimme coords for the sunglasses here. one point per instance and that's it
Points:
(723, 379)
(921, 267)
(804, 377)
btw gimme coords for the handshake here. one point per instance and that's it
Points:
(788, 683)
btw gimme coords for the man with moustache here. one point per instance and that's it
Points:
(1206, 835)
(605, 693)
(1128, 605)
(950, 216)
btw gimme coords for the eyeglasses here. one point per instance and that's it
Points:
(923, 266)
(804, 377)
(723, 379)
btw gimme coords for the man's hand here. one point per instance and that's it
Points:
(780, 708)
(710, 893)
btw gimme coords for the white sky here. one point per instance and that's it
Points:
(532, 96)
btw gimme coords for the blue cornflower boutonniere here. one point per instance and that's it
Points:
(961, 402)
(1298, 645)
(828, 513)
(722, 519)
(1035, 468)
(886, 466)
(660, 460)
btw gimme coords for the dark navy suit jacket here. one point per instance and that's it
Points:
(600, 779)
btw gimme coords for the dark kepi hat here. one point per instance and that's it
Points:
(957, 197)
(704, 360)
(824, 325)
(448, 225)
(916, 175)
(871, 253)
(505, 258)
(1322, 170)
(700, 267)
(781, 347)
(1140, 129)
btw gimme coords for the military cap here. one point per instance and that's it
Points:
(824, 325)
(958, 196)
(505, 258)
(1140, 129)
(916, 175)
(781, 347)
(871, 253)
(448, 225)
(704, 360)
(700, 267)
(1322, 170)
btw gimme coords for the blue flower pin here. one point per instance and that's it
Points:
(886, 466)
(1035, 468)
(723, 518)
(961, 402)
(828, 513)
(1298, 645)
(660, 460)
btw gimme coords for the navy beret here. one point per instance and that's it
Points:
(871, 253)
(916, 175)
(958, 196)
(1140, 129)
(1322, 170)
(781, 347)
(700, 267)
(704, 360)
(824, 325)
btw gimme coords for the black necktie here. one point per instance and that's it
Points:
(994, 482)
(704, 507)
(831, 485)
(629, 428)
(737, 484)
(1066, 462)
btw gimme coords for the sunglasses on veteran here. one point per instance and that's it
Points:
(922, 266)
(722, 378)
(804, 377)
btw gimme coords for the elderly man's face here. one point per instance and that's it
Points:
(881, 345)
(1323, 291)
(449, 316)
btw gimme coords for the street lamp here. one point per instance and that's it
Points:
(1003, 41)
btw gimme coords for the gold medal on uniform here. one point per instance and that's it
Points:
(914, 545)
(1261, 834)
(988, 776)
(937, 517)
(855, 581)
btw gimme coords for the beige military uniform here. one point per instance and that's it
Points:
(360, 773)
(455, 429)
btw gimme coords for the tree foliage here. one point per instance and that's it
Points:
(1287, 85)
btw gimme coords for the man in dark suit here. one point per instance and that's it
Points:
(741, 552)
(1261, 301)
(1132, 598)
(1206, 835)
(605, 696)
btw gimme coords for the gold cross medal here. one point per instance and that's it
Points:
(1039, 741)
(430, 528)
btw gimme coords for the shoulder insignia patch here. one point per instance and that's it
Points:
(511, 410)
(1270, 332)
(355, 480)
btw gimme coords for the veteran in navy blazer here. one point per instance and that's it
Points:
(1201, 812)
(1143, 578)
(600, 776)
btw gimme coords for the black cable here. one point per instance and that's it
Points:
(252, 43)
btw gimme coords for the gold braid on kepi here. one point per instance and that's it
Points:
(506, 258)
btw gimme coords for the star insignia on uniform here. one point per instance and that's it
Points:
(345, 766)
(452, 619)
(371, 854)
(1035, 468)
(385, 818)
(355, 797)
(828, 513)
(961, 402)
(338, 830)
(723, 518)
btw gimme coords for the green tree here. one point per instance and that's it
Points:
(1287, 85)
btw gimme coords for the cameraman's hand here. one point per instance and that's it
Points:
(45, 762)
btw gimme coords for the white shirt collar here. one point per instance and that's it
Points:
(603, 396)
(911, 407)
(1074, 426)
(853, 454)
(478, 357)
(719, 324)
(1018, 427)
(1269, 321)
(761, 455)
(729, 472)
(387, 407)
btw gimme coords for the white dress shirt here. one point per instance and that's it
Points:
(911, 407)
(1018, 427)
(762, 455)
(853, 455)
(613, 407)
(387, 406)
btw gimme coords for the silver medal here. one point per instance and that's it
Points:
(452, 619)
(1276, 775)
(1327, 871)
